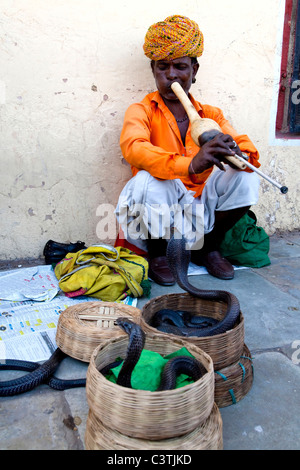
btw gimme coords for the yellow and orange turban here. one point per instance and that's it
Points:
(176, 36)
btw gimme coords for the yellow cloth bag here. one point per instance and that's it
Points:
(105, 272)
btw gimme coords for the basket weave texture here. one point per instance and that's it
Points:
(144, 414)
(82, 327)
(224, 349)
(234, 382)
(207, 436)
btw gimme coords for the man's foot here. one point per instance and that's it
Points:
(160, 272)
(215, 264)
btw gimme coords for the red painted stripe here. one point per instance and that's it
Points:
(284, 59)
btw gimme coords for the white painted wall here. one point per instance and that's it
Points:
(68, 71)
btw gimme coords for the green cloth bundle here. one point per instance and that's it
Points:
(246, 244)
(147, 373)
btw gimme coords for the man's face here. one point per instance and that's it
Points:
(168, 71)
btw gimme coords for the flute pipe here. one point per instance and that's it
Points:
(200, 125)
(283, 189)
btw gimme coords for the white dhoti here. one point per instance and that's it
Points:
(151, 206)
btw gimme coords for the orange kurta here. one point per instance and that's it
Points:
(151, 141)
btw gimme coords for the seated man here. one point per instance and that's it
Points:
(170, 170)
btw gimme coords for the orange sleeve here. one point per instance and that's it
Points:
(243, 141)
(138, 150)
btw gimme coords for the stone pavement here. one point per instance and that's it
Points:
(266, 419)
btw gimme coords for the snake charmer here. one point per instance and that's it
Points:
(172, 177)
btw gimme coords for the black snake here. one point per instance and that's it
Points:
(175, 366)
(38, 374)
(178, 259)
(43, 373)
(179, 321)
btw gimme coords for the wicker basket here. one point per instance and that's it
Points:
(207, 436)
(82, 327)
(234, 382)
(144, 414)
(224, 348)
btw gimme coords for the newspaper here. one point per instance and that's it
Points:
(28, 327)
(30, 305)
(195, 270)
(38, 283)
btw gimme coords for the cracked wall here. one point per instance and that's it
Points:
(70, 69)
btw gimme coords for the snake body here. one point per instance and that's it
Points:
(134, 350)
(178, 259)
(38, 374)
(167, 320)
(178, 365)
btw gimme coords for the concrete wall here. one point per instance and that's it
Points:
(70, 68)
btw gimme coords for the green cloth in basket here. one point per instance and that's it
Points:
(147, 373)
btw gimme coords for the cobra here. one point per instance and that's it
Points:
(178, 365)
(179, 258)
(38, 374)
(43, 373)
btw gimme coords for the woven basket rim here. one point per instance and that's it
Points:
(78, 337)
(72, 311)
(185, 294)
(143, 413)
(188, 346)
(224, 348)
(229, 367)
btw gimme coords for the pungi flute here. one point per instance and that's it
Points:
(203, 129)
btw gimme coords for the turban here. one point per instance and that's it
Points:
(176, 36)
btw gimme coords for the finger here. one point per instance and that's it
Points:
(219, 164)
(219, 142)
(231, 143)
(238, 152)
(234, 146)
(222, 150)
(227, 138)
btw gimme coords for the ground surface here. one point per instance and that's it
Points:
(267, 418)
